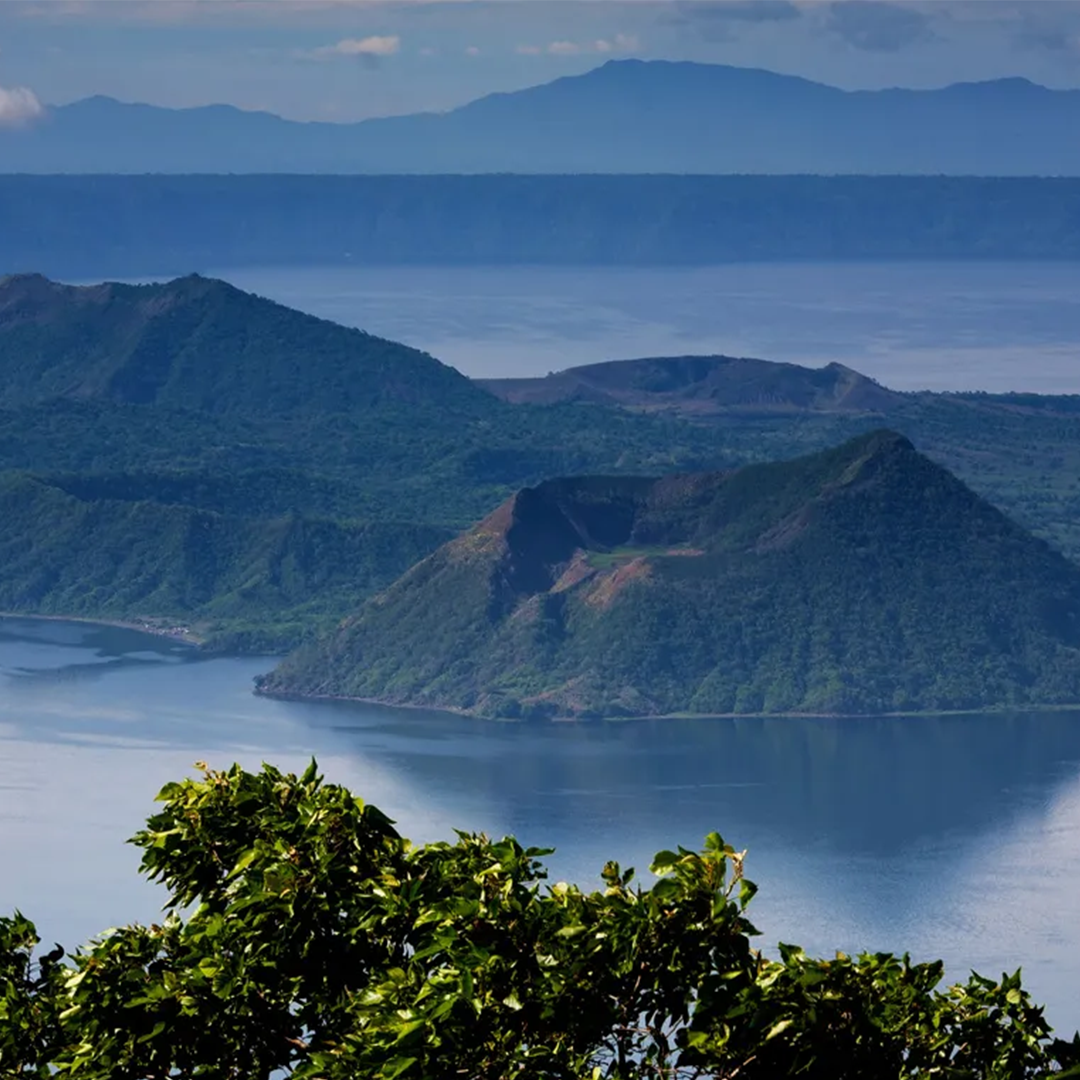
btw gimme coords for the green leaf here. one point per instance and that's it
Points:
(396, 1067)
(778, 1029)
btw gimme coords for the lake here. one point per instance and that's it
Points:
(952, 837)
(940, 326)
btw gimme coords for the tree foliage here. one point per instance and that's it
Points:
(306, 938)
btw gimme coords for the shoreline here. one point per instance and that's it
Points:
(170, 631)
(471, 715)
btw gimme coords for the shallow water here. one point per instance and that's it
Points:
(951, 837)
(941, 326)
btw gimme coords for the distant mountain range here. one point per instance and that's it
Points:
(861, 579)
(90, 227)
(627, 116)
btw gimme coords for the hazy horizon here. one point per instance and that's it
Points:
(348, 61)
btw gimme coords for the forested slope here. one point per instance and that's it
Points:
(859, 579)
(133, 411)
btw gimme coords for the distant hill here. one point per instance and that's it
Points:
(626, 116)
(201, 344)
(86, 546)
(704, 385)
(89, 227)
(860, 579)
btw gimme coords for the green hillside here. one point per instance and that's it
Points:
(248, 582)
(861, 579)
(189, 451)
(1021, 451)
(198, 343)
(196, 374)
(191, 397)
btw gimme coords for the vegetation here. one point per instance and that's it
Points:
(860, 579)
(306, 938)
(1021, 451)
(202, 345)
(206, 456)
(253, 441)
(69, 551)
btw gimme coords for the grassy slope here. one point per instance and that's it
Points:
(121, 558)
(864, 578)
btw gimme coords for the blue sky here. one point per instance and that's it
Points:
(352, 59)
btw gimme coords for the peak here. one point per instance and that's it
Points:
(100, 101)
(15, 288)
(1010, 84)
(198, 282)
(730, 72)
(883, 441)
(193, 286)
(39, 288)
(30, 280)
(874, 448)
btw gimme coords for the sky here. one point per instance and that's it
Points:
(347, 60)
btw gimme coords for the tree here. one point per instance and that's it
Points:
(306, 938)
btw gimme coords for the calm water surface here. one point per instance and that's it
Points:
(942, 326)
(957, 838)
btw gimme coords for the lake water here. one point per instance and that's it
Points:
(941, 326)
(957, 838)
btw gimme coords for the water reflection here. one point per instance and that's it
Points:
(952, 836)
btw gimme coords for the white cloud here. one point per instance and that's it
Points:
(472, 50)
(375, 46)
(619, 43)
(19, 107)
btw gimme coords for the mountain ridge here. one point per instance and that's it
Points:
(624, 116)
(703, 385)
(198, 342)
(862, 579)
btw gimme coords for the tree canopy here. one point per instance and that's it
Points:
(306, 938)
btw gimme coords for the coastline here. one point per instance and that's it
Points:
(472, 715)
(163, 628)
